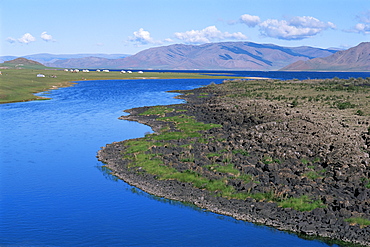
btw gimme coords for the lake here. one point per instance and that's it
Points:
(54, 192)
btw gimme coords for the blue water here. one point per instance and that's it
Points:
(282, 75)
(54, 193)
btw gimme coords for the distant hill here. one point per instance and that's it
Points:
(224, 55)
(49, 59)
(22, 63)
(354, 59)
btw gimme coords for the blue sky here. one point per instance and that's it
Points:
(129, 26)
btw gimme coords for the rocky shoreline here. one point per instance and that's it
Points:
(289, 152)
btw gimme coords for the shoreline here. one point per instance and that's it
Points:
(20, 85)
(328, 222)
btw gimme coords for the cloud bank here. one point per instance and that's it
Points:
(295, 29)
(207, 35)
(299, 27)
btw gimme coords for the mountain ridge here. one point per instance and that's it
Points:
(222, 55)
(219, 56)
(354, 59)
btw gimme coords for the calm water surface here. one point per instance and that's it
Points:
(52, 192)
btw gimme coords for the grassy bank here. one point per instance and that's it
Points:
(20, 84)
(338, 100)
(144, 156)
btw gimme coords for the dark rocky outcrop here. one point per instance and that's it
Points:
(311, 152)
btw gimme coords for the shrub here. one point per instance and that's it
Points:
(344, 105)
(360, 113)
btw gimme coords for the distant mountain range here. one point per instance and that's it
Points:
(49, 59)
(220, 56)
(354, 59)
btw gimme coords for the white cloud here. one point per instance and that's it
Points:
(362, 28)
(250, 20)
(364, 17)
(364, 24)
(168, 40)
(143, 37)
(26, 38)
(46, 37)
(310, 22)
(294, 29)
(11, 40)
(207, 35)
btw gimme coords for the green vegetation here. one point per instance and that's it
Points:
(248, 178)
(366, 182)
(359, 221)
(269, 160)
(303, 203)
(305, 161)
(228, 169)
(143, 158)
(240, 151)
(345, 105)
(157, 110)
(314, 174)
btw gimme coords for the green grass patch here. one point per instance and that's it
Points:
(366, 182)
(188, 177)
(305, 161)
(358, 221)
(314, 174)
(344, 105)
(303, 203)
(157, 110)
(166, 136)
(228, 169)
(240, 151)
(247, 178)
(269, 160)
(139, 145)
(211, 155)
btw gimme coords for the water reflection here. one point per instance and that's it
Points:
(107, 173)
(134, 190)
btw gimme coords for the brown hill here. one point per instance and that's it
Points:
(24, 61)
(354, 59)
